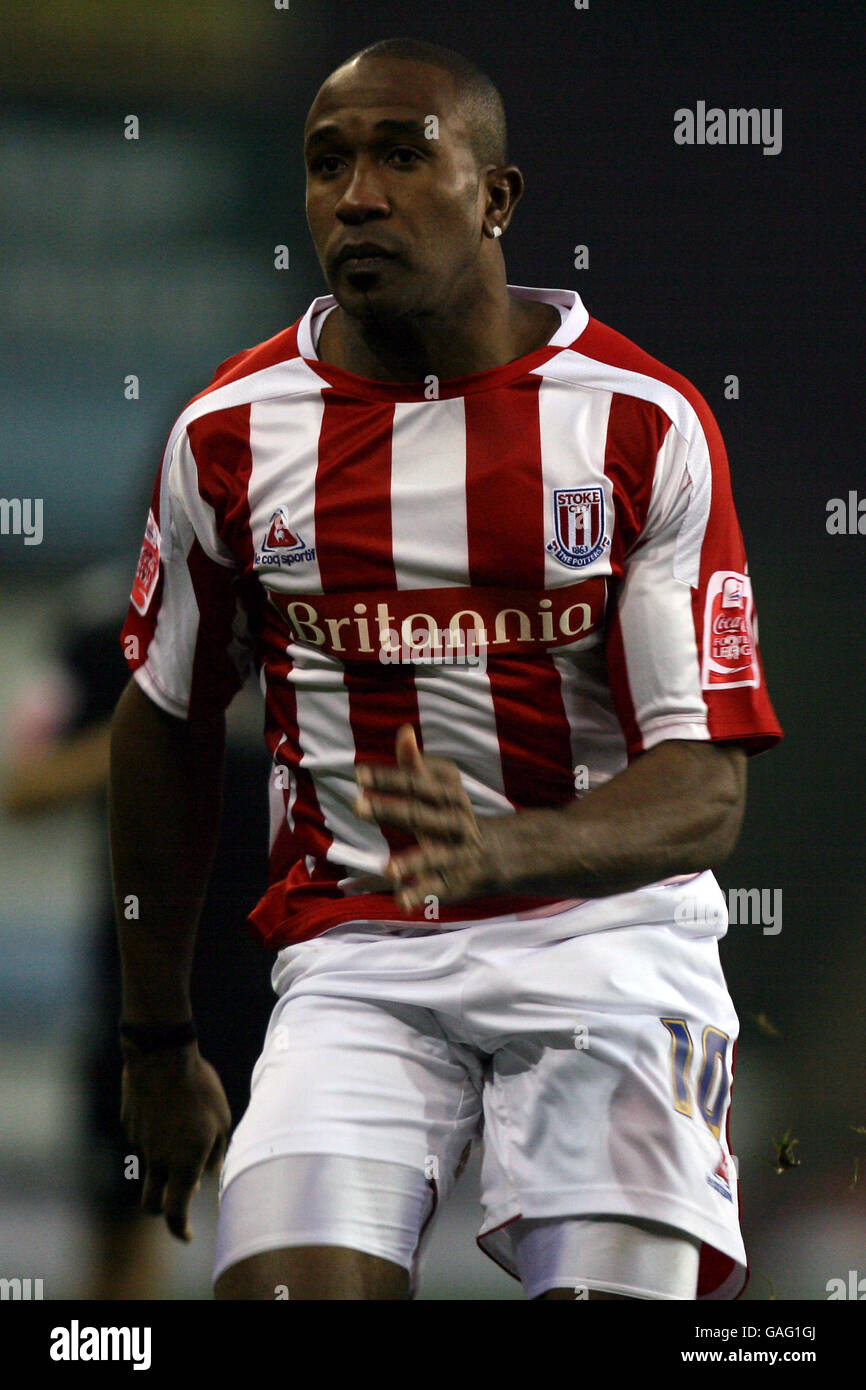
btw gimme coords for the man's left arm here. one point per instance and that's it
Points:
(675, 809)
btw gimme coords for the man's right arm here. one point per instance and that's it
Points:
(164, 809)
(165, 795)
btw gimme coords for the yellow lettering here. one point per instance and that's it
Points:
(333, 625)
(424, 641)
(582, 626)
(500, 625)
(303, 625)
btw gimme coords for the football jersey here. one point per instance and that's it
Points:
(538, 566)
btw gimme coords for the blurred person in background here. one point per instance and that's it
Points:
(58, 756)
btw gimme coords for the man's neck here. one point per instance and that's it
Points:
(411, 350)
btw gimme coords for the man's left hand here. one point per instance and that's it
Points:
(457, 854)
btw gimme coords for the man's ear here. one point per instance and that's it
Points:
(504, 191)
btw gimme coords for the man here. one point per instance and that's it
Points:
(482, 550)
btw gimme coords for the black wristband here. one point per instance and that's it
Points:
(153, 1038)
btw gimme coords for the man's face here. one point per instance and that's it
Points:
(374, 179)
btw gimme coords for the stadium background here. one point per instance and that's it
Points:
(156, 257)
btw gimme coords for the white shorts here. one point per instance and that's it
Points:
(592, 1049)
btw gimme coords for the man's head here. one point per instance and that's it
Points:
(405, 150)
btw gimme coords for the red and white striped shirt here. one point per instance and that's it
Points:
(574, 506)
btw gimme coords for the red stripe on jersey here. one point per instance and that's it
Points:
(635, 432)
(220, 444)
(354, 552)
(503, 439)
(353, 495)
(617, 675)
(533, 731)
(215, 679)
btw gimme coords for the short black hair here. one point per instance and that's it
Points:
(481, 101)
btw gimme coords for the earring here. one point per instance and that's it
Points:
(497, 231)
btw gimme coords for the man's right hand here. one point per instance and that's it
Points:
(175, 1112)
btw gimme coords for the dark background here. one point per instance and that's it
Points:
(155, 257)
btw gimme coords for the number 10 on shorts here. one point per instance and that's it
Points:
(713, 1077)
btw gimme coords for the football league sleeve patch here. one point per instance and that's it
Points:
(147, 570)
(186, 636)
(686, 662)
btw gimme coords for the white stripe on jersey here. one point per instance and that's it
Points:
(573, 430)
(285, 458)
(472, 740)
(655, 612)
(328, 755)
(428, 459)
(431, 550)
(591, 721)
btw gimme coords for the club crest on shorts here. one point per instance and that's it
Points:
(579, 517)
(281, 545)
(720, 1178)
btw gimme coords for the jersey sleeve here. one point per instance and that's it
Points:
(186, 638)
(683, 658)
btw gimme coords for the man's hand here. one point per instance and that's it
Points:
(674, 810)
(175, 1112)
(456, 855)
